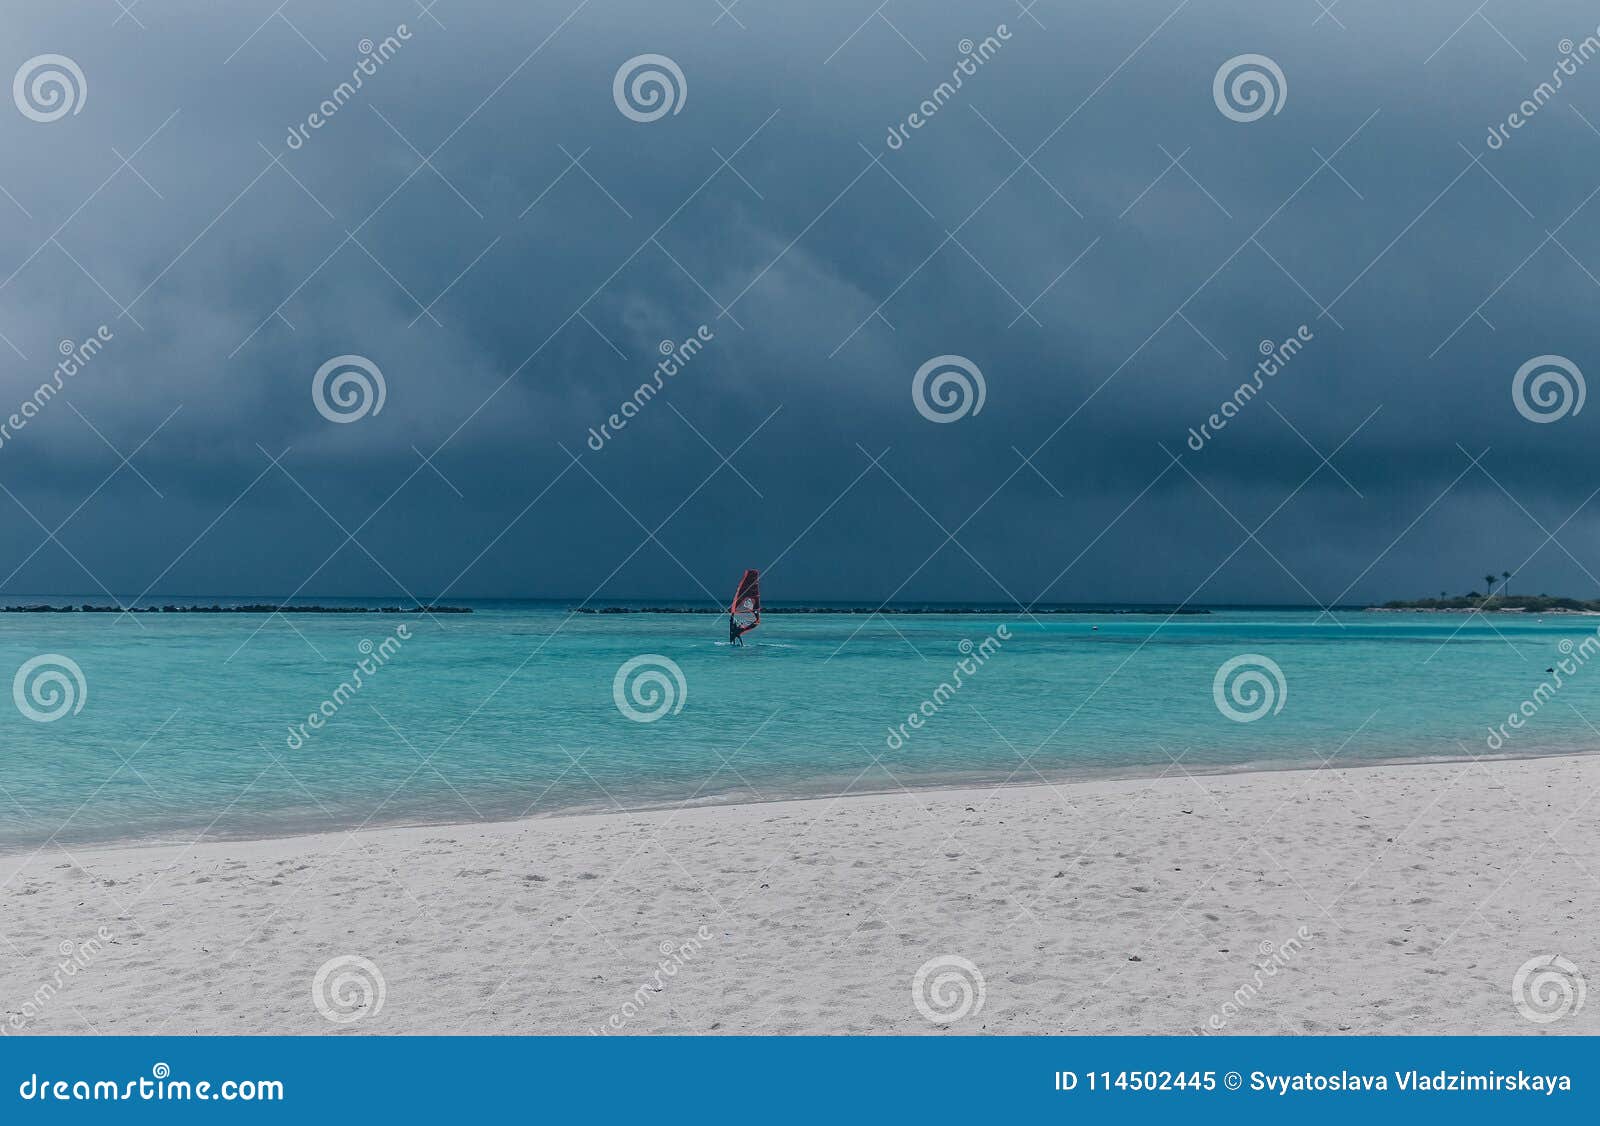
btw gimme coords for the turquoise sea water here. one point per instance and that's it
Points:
(186, 722)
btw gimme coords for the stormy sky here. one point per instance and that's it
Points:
(1081, 221)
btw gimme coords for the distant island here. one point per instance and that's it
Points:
(249, 608)
(1497, 603)
(1501, 601)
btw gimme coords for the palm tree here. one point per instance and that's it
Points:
(1505, 588)
(1489, 589)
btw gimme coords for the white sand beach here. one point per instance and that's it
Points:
(1396, 899)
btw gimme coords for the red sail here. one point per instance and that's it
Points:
(746, 609)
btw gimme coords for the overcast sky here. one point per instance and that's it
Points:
(1113, 292)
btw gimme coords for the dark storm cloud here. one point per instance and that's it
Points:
(825, 282)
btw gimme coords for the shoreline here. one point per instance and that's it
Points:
(1043, 779)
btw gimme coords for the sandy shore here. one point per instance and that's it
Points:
(1389, 899)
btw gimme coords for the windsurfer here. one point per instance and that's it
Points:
(745, 612)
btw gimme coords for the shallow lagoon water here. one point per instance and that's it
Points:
(188, 721)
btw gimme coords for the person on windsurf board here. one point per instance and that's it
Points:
(744, 614)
